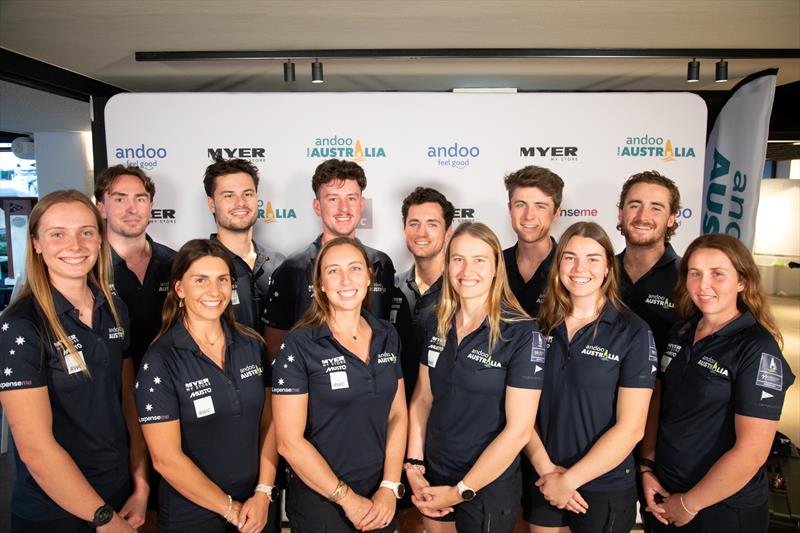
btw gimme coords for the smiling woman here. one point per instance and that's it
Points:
(204, 379)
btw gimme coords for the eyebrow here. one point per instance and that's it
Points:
(249, 189)
(127, 194)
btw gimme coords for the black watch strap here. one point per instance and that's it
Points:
(102, 516)
(647, 462)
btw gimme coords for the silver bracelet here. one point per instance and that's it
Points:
(684, 506)
(230, 506)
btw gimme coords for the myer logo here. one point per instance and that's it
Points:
(600, 353)
(254, 155)
(464, 214)
(551, 153)
(162, 216)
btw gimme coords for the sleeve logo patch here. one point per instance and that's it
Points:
(234, 296)
(204, 406)
(651, 343)
(770, 372)
(339, 380)
(433, 356)
(538, 348)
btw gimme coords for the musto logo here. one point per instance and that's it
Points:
(269, 214)
(351, 148)
(453, 156)
(144, 157)
(649, 146)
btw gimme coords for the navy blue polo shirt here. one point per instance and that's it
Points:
(414, 311)
(529, 293)
(219, 412)
(348, 400)
(144, 300)
(738, 370)
(581, 384)
(652, 296)
(87, 412)
(250, 286)
(290, 289)
(469, 389)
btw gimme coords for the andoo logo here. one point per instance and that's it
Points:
(351, 148)
(454, 156)
(649, 146)
(600, 353)
(145, 157)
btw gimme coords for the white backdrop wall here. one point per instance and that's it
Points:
(461, 144)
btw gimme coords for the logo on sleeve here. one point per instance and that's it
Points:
(765, 395)
(600, 353)
(713, 366)
(770, 372)
(538, 348)
(659, 301)
(652, 353)
(234, 295)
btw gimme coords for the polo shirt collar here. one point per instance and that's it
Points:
(261, 256)
(411, 282)
(545, 264)
(324, 331)
(744, 321)
(64, 306)
(667, 258)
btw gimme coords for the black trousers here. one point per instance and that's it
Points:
(722, 517)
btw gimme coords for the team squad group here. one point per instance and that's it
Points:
(546, 387)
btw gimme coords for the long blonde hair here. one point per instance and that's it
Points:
(501, 304)
(752, 298)
(557, 304)
(320, 310)
(37, 281)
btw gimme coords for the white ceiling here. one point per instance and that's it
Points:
(98, 39)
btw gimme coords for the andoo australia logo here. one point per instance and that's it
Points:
(143, 156)
(650, 146)
(713, 366)
(269, 214)
(350, 148)
(659, 301)
(600, 353)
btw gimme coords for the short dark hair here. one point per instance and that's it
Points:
(106, 178)
(338, 170)
(424, 195)
(542, 178)
(223, 167)
(656, 178)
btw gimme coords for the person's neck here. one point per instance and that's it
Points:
(584, 307)
(131, 249)
(238, 242)
(428, 269)
(345, 321)
(640, 259)
(472, 311)
(208, 328)
(327, 236)
(710, 324)
(534, 252)
(73, 289)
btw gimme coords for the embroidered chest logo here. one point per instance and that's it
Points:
(484, 358)
(201, 387)
(73, 366)
(659, 301)
(334, 364)
(713, 366)
(600, 353)
(163, 286)
(670, 353)
(116, 333)
(250, 371)
(435, 347)
(386, 357)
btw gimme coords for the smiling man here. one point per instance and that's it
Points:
(232, 189)
(648, 205)
(338, 202)
(534, 199)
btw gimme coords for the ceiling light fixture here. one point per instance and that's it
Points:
(693, 71)
(316, 72)
(288, 71)
(722, 71)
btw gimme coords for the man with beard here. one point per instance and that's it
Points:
(124, 198)
(338, 201)
(648, 205)
(232, 189)
(534, 199)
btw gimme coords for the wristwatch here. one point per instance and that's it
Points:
(102, 516)
(467, 494)
(398, 488)
(269, 490)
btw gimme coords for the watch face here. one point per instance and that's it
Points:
(401, 490)
(103, 515)
(468, 495)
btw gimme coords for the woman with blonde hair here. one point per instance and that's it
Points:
(721, 386)
(597, 385)
(63, 370)
(203, 398)
(475, 402)
(339, 403)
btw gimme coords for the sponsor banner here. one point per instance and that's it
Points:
(462, 144)
(734, 162)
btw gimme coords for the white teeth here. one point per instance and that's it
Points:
(348, 293)
(73, 260)
(421, 243)
(469, 282)
(580, 281)
(212, 304)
